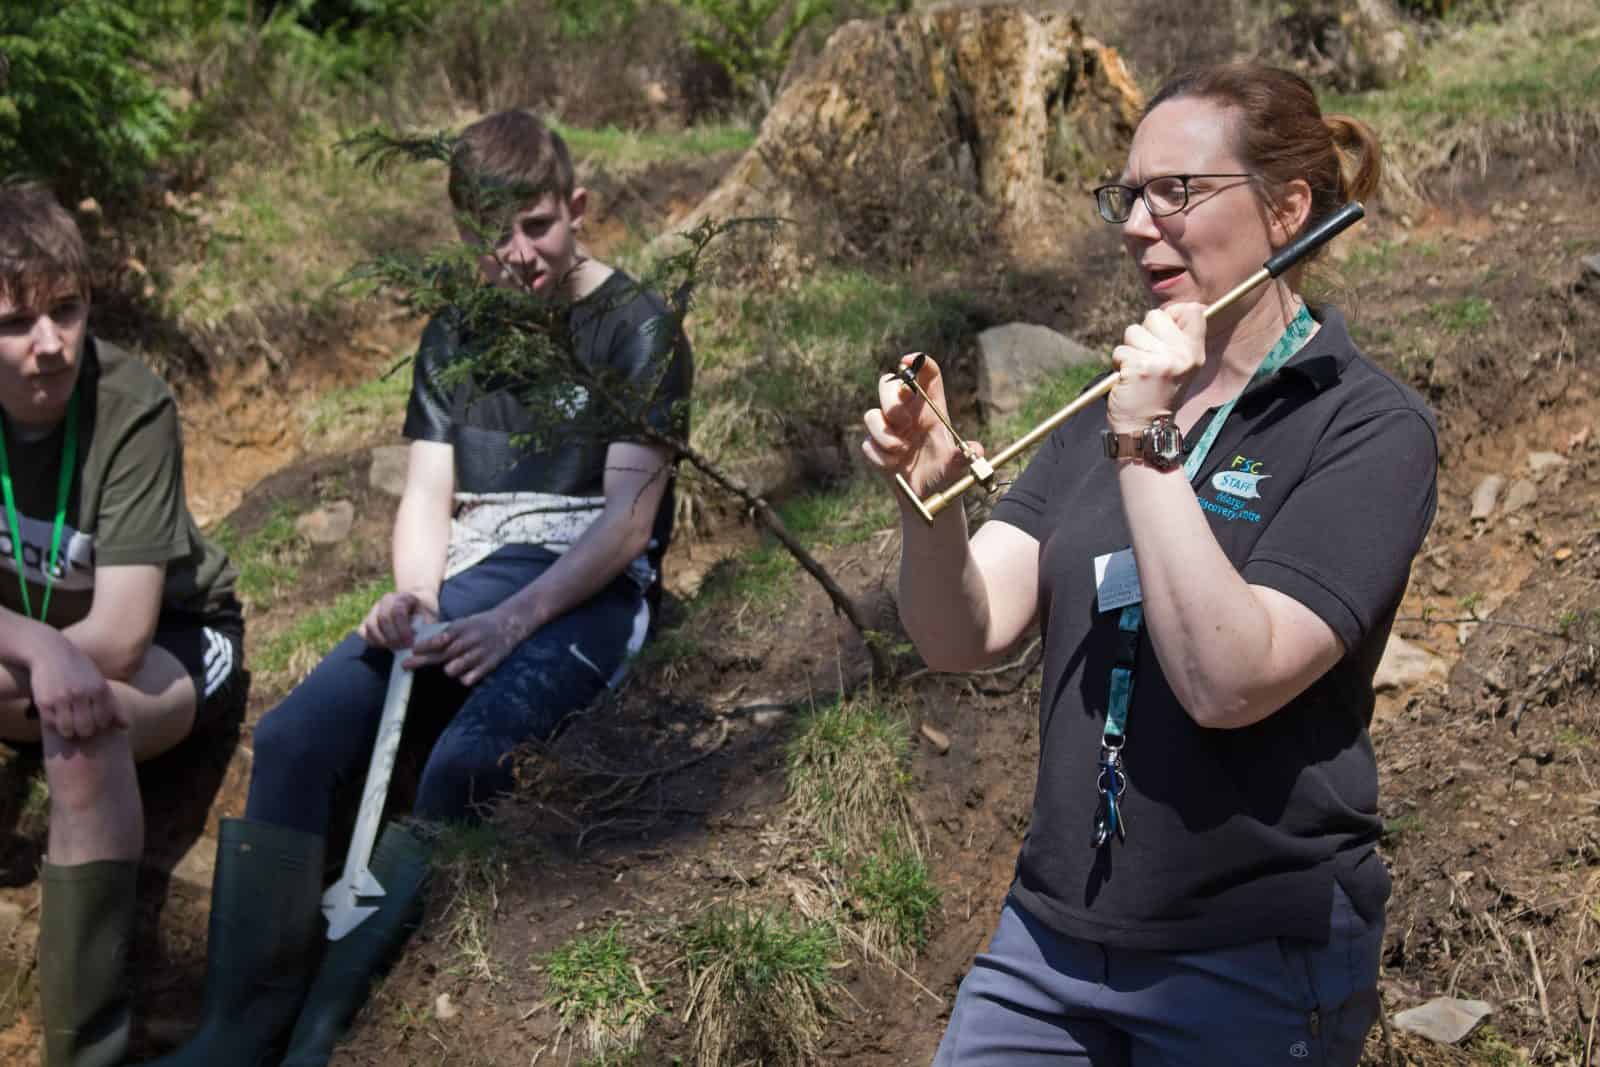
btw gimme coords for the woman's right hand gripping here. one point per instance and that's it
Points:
(905, 438)
(388, 624)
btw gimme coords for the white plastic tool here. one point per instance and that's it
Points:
(342, 903)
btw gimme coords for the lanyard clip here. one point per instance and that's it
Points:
(1111, 784)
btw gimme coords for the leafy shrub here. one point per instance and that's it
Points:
(74, 109)
(753, 40)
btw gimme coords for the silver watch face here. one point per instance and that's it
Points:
(1163, 444)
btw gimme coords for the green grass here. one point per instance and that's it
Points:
(759, 983)
(772, 361)
(363, 408)
(1490, 1049)
(622, 149)
(1401, 826)
(301, 645)
(269, 558)
(759, 581)
(600, 994)
(895, 894)
(267, 242)
(1467, 313)
(1504, 74)
(839, 517)
(847, 775)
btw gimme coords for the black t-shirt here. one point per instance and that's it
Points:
(620, 328)
(1321, 486)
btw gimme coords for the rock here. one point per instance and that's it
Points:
(1521, 494)
(936, 737)
(388, 472)
(778, 474)
(1405, 664)
(1013, 358)
(328, 525)
(1486, 495)
(1446, 1020)
(902, 120)
(444, 1008)
(1591, 264)
(1351, 46)
(1541, 463)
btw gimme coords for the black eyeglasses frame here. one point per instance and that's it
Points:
(1138, 191)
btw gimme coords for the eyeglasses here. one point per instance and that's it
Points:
(1166, 195)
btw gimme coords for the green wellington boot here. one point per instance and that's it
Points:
(400, 864)
(266, 920)
(85, 923)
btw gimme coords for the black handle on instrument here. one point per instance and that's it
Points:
(1314, 238)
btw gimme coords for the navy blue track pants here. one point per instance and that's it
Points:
(323, 732)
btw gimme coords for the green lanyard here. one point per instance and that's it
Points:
(69, 456)
(1112, 780)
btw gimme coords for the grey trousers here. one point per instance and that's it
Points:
(1038, 998)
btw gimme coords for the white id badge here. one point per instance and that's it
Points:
(1116, 580)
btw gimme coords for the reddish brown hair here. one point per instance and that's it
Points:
(1281, 134)
(42, 253)
(509, 150)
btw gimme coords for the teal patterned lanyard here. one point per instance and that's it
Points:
(69, 457)
(1112, 780)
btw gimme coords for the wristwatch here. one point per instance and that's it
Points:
(1158, 445)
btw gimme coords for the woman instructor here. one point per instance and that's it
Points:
(1199, 883)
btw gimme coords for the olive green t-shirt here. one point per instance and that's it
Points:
(125, 504)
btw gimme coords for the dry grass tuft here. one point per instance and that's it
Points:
(470, 871)
(848, 782)
(759, 987)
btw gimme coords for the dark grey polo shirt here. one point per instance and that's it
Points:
(1321, 485)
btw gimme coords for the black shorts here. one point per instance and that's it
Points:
(213, 655)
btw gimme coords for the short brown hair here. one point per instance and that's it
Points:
(1281, 134)
(509, 152)
(42, 253)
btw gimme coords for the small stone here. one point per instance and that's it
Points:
(88, 206)
(936, 737)
(1561, 555)
(1592, 264)
(388, 473)
(328, 525)
(445, 1008)
(1016, 357)
(1521, 494)
(1446, 1020)
(769, 716)
(1405, 664)
(1541, 463)
(1486, 495)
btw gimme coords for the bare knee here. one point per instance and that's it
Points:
(85, 776)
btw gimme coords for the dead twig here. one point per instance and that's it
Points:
(1390, 1052)
(1538, 983)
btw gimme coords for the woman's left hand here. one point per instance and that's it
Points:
(1155, 361)
(470, 648)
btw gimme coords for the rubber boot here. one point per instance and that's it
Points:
(266, 923)
(350, 966)
(85, 924)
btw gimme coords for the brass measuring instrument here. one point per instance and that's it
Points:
(981, 470)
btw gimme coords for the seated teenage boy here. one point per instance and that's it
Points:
(118, 626)
(542, 565)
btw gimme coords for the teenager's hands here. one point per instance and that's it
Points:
(388, 624)
(1155, 360)
(905, 438)
(73, 697)
(470, 648)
